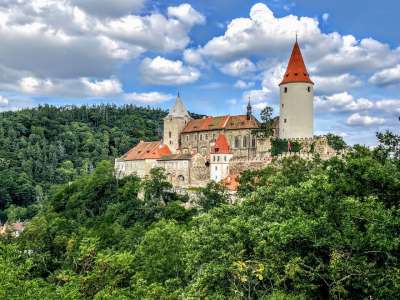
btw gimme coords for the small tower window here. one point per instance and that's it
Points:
(285, 120)
(309, 89)
(285, 89)
(187, 138)
(170, 134)
(283, 105)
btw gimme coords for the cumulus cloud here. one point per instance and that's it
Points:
(147, 98)
(364, 120)
(102, 88)
(333, 84)
(389, 105)
(240, 84)
(163, 71)
(387, 76)
(260, 106)
(256, 96)
(114, 8)
(342, 102)
(238, 67)
(187, 14)
(71, 40)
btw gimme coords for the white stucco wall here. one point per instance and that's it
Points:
(219, 166)
(296, 118)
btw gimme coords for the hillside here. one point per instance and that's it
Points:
(51, 145)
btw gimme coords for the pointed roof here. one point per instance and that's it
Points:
(221, 145)
(178, 110)
(296, 70)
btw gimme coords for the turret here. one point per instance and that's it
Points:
(296, 119)
(176, 120)
(249, 112)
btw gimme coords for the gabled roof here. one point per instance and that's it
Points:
(221, 122)
(147, 150)
(296, 70)
(221, 145)
(178, 110)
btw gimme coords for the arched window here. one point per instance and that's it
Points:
(245, 142)
(237, 141)
(181, 178)
(253, 142)
(285, 89)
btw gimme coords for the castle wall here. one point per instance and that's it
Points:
(140, 168)
(177, 171)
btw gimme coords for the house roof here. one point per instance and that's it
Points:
(147, 150)
(176, 157)
(221, 122)
(221, 145)
(231, 182)
(296, 70)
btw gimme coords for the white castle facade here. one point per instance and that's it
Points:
(195, 151)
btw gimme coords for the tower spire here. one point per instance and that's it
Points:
(296, 70)
(249, 110)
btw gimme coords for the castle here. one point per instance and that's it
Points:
(195, 151)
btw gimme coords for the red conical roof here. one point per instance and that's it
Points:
(296, 70)
(221, 145)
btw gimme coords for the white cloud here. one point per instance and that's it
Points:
(364, 120)
(325, 17)
(187, 14)
(386, 77)
(260, 106)
(342, 102)
(256, 96)
(102, 88)
(238, 67)
(114, 8)
(3, 101)
(147, 98)
(389, 105)
(193, 57)
(240, 84)
(333, 84)
(167, 72)
(69, 40)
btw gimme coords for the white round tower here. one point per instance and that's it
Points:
(296, 118)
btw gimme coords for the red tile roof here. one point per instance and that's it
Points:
(296, 70)
(231, 182)
(221, 145)
(147, 150)
(221, 122)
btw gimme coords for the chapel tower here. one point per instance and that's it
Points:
(296, 119)
(174, 123)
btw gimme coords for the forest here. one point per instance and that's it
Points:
(300, 230)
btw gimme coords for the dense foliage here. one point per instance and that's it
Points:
(302, 230)
(279, 146)
(51, 145)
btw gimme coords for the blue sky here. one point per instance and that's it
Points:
(215, 53)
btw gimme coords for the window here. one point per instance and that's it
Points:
(187, 138)
(285, 89)
(201, 137)
(216, 168)
(170, 142)
(237, 141)
(245, 142)
(253, 142)
(206, 138)
(285, 120)
(170, 134)
(224, 158)
(309, 89)
(218, 158)
(213, 158)
(283, 105)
